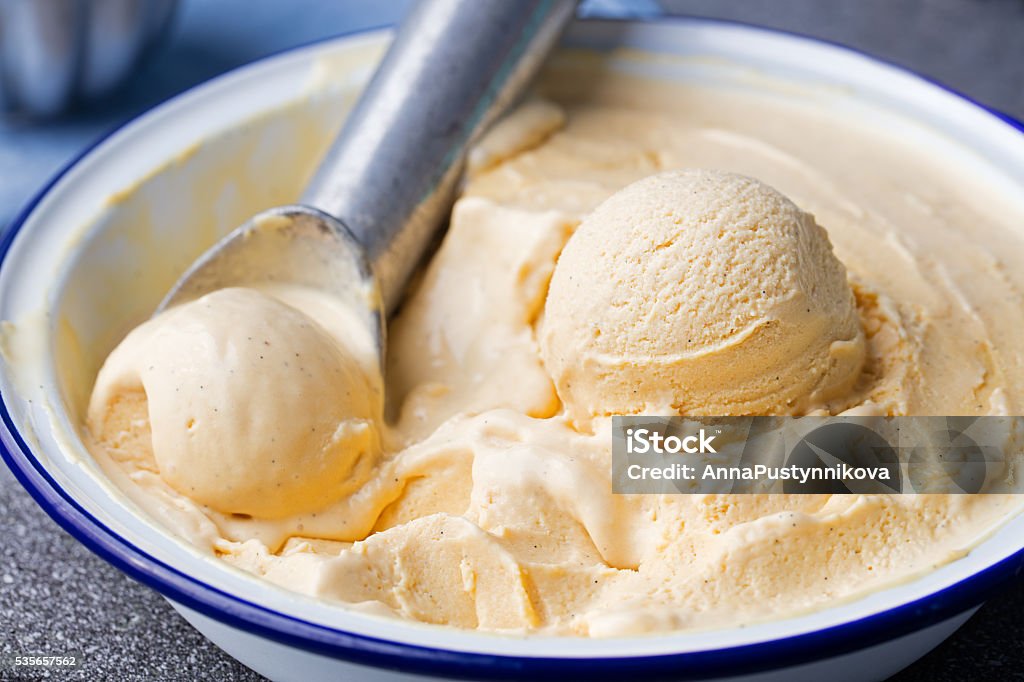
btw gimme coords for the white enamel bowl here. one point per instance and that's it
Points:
(95, 251)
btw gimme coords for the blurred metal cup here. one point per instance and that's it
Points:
(56, 53)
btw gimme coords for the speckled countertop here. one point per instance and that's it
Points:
(56, 597)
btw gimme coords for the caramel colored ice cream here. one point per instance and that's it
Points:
(700, 292)
(251, 405)
(620, 246)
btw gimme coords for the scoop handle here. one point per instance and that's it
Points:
(453, 67)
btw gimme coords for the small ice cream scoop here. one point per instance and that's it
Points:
(385, 186)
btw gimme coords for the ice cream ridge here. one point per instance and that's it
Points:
(602, 260)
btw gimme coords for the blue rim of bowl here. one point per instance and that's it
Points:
(871, 630)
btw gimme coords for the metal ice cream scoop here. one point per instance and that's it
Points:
(388, 181)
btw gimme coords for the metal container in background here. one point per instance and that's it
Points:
(57, 53)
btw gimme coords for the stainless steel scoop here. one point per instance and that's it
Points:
(387, 183)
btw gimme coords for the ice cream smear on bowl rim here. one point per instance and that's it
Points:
(610, 254)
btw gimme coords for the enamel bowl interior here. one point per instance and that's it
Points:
(98, 250)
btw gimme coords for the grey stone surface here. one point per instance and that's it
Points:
(56, 597)
(973, 46)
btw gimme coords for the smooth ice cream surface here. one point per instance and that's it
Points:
(252, 406)
(586, 258)
(700, 292)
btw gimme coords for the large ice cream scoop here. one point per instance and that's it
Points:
(700, 292)
(385, 186)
